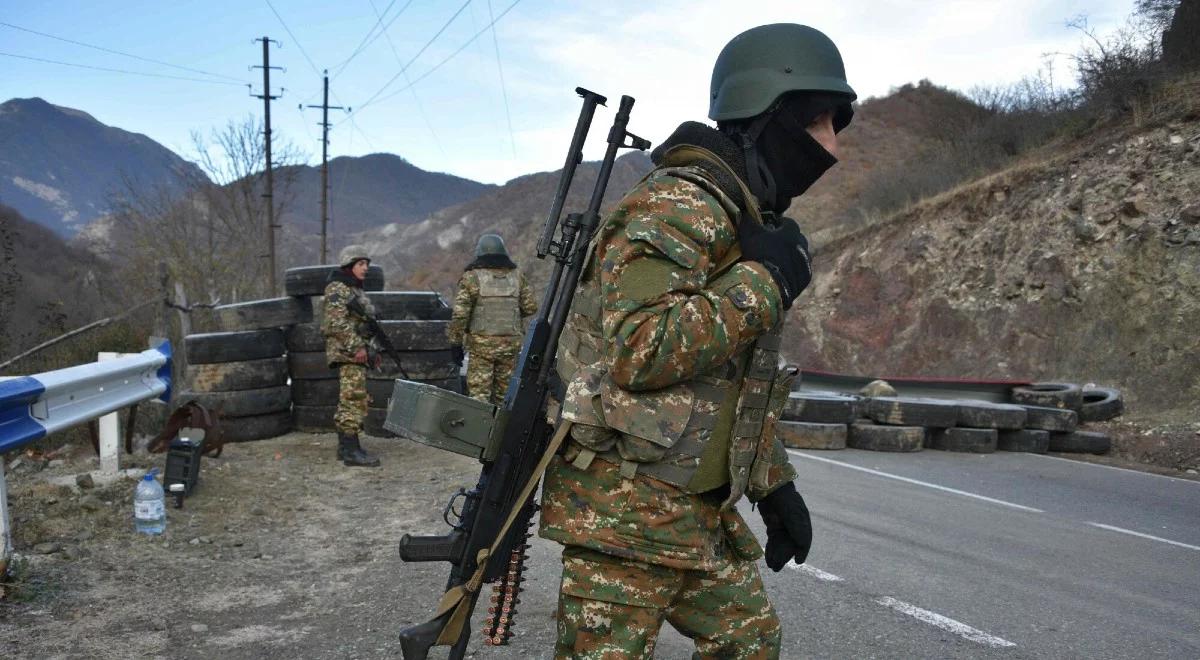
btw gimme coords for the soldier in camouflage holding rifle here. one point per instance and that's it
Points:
(347, 349)
(671, 360)
(492, 299)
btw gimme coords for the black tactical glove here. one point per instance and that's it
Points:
(789, 529)
(783, 250)
(456, 351)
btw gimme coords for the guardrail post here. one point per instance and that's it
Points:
(110, 429)
(6, 546)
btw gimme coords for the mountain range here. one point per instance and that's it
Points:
(60, 167)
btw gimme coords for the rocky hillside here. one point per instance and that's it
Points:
(1083, 266)
(46, 285)
(60, 167)
(432, 253)
(372, 191)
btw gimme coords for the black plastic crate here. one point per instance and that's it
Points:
(183, 460)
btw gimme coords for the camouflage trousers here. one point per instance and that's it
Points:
(352, 398)
(492, 361)
(611, 607)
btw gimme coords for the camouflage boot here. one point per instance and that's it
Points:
(351, 453)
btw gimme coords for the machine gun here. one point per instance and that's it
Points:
(378, 334)
(514, 441)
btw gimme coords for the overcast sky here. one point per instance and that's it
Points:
(454, 119)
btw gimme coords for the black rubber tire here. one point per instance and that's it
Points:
(304, 337)
(373, 424)
(822, 407)
(313, 419)
(243, 403)
(972, 441)
(1035, 441)
(808, 435)
(311, 280)
(213, 347)
(235, 376)
(1100, 404)
(1081, 442)
(417, 335)
(325, 392)
(272, 313)
(1068, 396)
(419, 365)
(258, 427)
(875, 437)
(984, 415)
(1050, 419)
(901, 411)
(410, 306)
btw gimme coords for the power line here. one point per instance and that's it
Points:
(117, 52)
(132, 73)
(503, 88)
(369, 39)
(294, 39)
(414, 58)
(420, 106)
(451, 55)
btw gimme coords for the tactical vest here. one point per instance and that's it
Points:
(497, 310)
(697, 435)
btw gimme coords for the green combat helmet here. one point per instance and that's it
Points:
(490, 244)
(351, 254)
(763, 63)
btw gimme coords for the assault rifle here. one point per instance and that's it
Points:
(490, 531)
(377, 332)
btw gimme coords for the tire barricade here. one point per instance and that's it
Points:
(1040, 417)
(266, 369)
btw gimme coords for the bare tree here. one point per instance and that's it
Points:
(212, 237)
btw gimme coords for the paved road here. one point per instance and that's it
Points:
(937, 554)
(941, 555)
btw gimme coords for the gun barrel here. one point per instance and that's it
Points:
(574, 157)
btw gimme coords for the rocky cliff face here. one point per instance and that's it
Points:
(1084, 267)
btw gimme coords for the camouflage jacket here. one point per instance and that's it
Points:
(468, 295)
(345, 331)
(676, 309)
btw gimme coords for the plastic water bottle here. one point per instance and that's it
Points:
(149, 506)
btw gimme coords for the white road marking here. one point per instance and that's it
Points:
(926, 484)
(1114, 467)
(945, 623)
(813, 571)
(1130, 532)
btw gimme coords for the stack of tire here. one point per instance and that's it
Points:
(1042, 417)
(242, 372)
(415, 321)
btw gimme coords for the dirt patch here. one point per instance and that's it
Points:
(1158, 445)
(281, 552)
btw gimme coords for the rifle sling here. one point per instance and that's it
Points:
(459, 599)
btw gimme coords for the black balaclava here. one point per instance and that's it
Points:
(782, 159)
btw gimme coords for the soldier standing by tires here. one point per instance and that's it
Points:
(346, 349)
(671, 362)
(493, 299)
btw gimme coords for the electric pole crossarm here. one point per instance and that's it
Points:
(325, 126)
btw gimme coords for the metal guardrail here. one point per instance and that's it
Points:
(32, 407)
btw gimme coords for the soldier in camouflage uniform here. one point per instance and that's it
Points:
(672, 368)
(493, 297)
(348, 350)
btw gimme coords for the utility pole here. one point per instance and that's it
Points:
(324, 124)
(270, 194)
